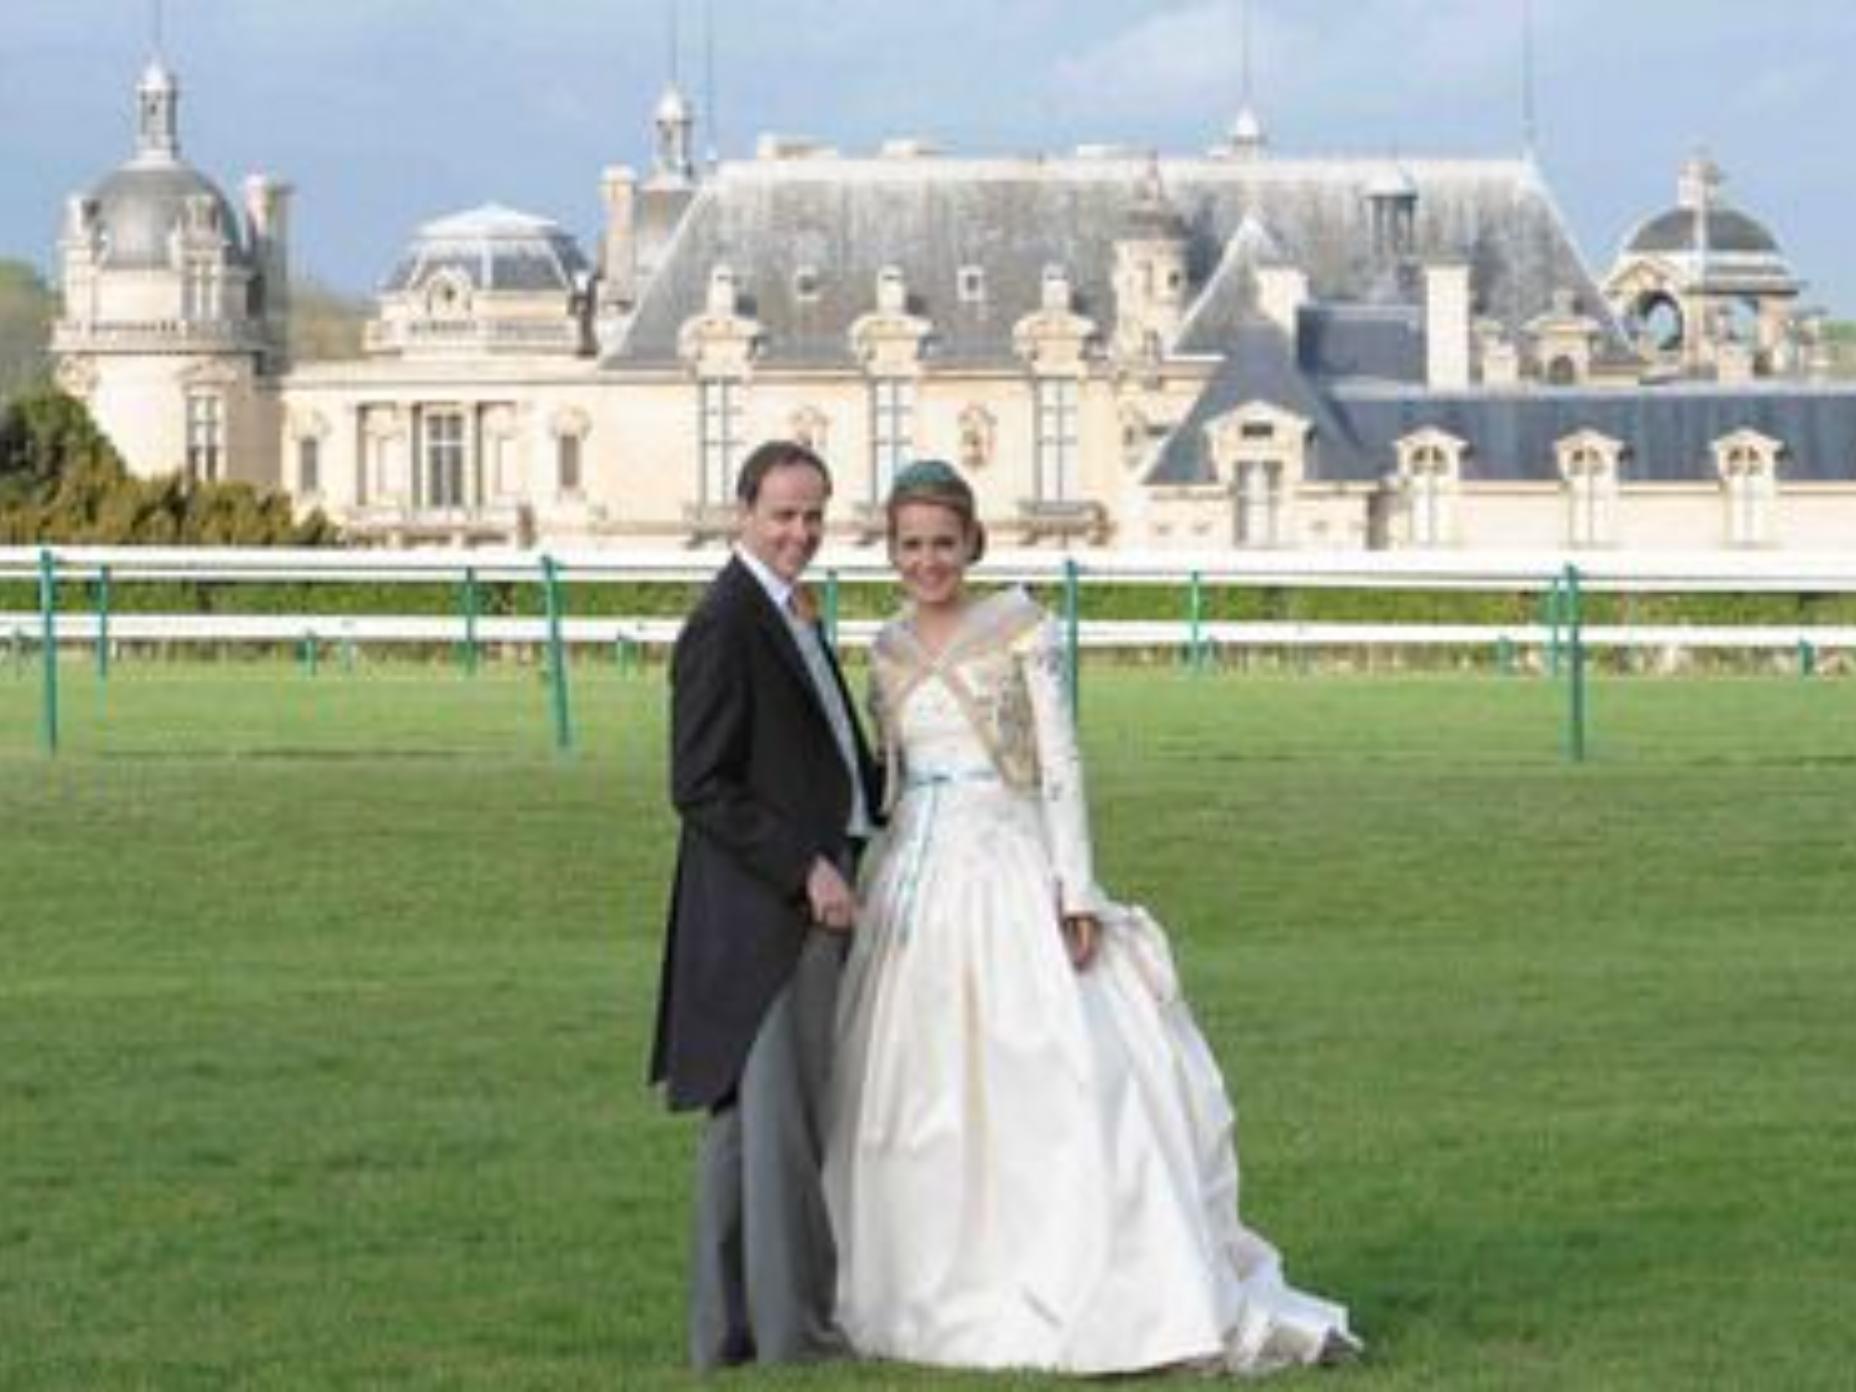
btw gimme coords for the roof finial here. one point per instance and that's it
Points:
(710, 104)
(1529, 129)
(675, 46)
(156, 19)
(157, 115)
(1245, 92)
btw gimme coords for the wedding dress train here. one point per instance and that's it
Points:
(1029, 1166)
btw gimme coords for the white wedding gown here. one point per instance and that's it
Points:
(1028, 1166)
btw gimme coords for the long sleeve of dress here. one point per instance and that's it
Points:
(1060, 771)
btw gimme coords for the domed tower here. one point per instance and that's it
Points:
(1150, 273)
(1703, 285)
(675, 123)
(175, 310)
(489, 280)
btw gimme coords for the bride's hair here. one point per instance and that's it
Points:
(938, 482)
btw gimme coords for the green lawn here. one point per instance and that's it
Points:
(324, 1005)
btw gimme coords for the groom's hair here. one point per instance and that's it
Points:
(774, 454)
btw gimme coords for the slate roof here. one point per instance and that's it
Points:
(1667, 430)
(842, 220)
(1261, 365)
(494, 248)
(140, 205)
(1681, 229)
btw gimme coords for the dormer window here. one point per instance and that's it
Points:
(1257, 430)
(1748, 463)
(1427, 480)
(1589, 465)
(970, 281)
(892, 291)
(1054, 291)
(806, 285)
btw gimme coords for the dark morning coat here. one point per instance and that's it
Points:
(760, 790)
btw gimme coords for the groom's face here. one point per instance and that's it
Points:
(785, 523)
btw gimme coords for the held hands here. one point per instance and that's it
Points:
(833, 903)
(1082, 934)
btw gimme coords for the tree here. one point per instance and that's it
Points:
(26, 309)
(62, 480)
(324, 323)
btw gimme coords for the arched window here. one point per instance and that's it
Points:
(1748, 466)
(1429, 472)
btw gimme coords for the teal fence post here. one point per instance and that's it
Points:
(1071, 622)
(48, 648)
(348, 653)
(309, 652)
(1550, 615)
(103, 624)
(1195, 618)
(1807, 658)
(557, 656)
(467, 602)
(1575, 646)
(1504, 655)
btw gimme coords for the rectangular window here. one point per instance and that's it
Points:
(1055, 450)
(1749, 507)
(1585, 497)
(719, 437)
(205, 436)
(1427, 508)
(309, 465)
(1259, 502)
(444, 459)
(567, 462)
(892, 431)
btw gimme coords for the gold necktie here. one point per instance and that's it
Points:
(803, 603)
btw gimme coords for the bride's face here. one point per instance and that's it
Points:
(929, 550)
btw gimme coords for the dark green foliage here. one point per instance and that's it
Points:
(26, 308)
(62, 480)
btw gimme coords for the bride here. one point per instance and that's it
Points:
(1031, 1161)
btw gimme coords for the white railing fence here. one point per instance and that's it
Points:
(1560, 578)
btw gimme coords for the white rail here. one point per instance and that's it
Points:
(1646, 572)
(22, 627)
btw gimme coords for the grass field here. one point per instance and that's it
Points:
(324, 1005)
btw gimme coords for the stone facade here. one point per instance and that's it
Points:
(1230, 350)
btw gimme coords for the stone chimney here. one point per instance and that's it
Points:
(1281, 293)
(618, 248)
(267, 226)
(1446, 326)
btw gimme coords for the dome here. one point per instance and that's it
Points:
(494, 248)
(140, 205)
(1682, 229)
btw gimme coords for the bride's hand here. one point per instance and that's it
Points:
(1082, 933)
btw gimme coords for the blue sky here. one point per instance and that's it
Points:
(385, 113)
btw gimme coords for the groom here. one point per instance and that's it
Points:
(774, 789)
